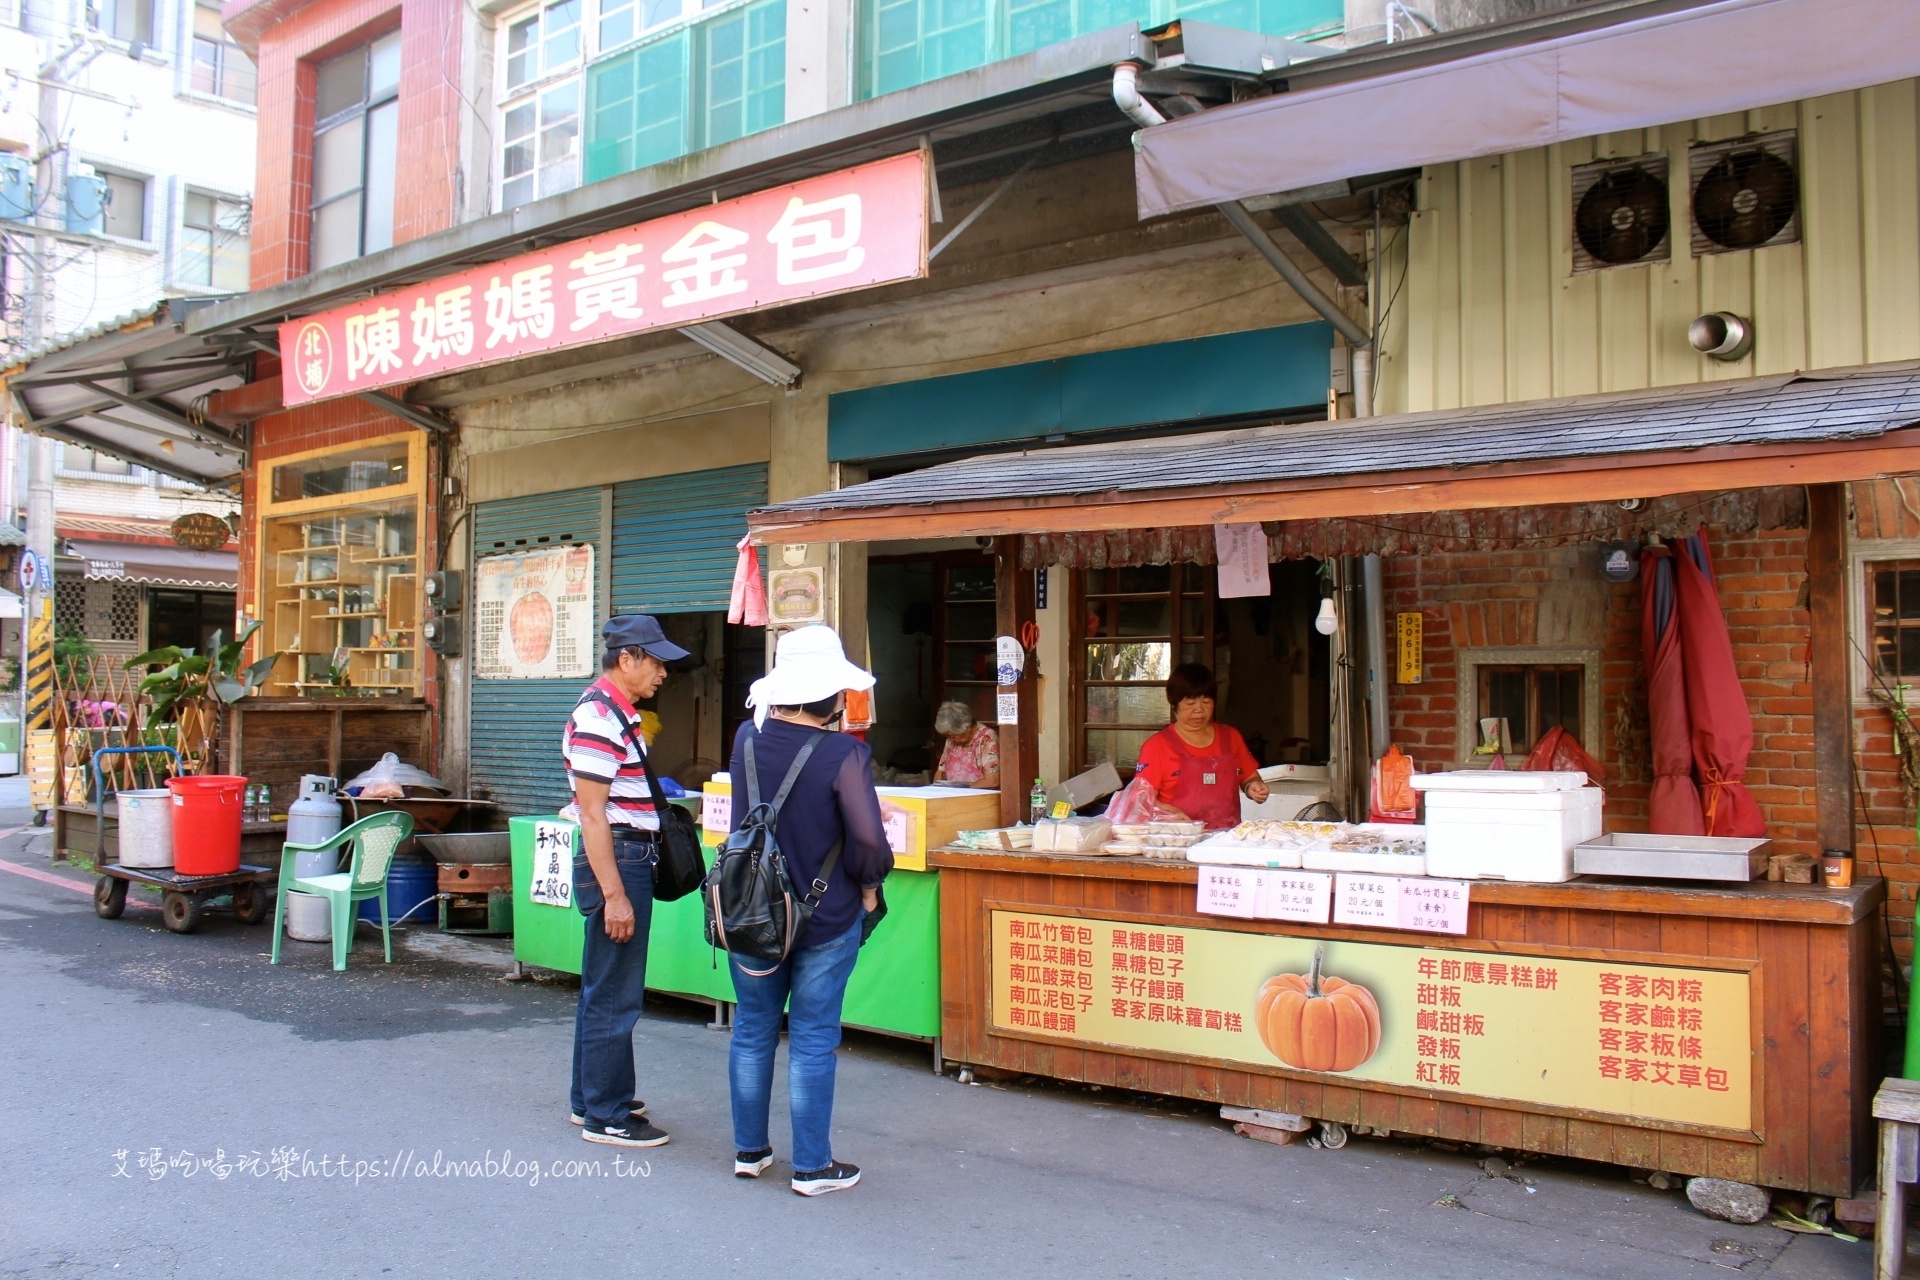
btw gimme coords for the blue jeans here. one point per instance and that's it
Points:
(810, 985)
(613, 982)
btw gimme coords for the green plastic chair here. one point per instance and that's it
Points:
(374, 839)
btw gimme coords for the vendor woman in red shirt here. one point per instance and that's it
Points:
(1199, 767)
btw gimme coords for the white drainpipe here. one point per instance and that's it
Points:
(1127, 96)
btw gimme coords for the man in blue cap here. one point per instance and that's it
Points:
(613, 879)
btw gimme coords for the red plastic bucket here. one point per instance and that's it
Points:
(206, 823)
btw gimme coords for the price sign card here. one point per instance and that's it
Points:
(1258, 893)
(1228, 891)
(552, 882)
(1433, 906)
(1306, 896)
(716, 811)
(1373, 901)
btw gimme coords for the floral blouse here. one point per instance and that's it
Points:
(964, 763)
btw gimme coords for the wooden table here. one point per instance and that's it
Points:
(1806, 960)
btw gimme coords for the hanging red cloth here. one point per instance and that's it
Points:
(1716, 704)
(1674, 805)
(748, 605)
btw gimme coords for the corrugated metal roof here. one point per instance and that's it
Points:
(131, 320)
(11, 535)
(1808, 408)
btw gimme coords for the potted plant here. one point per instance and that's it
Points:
(190, 688)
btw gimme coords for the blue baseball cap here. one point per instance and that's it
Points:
(639, 631)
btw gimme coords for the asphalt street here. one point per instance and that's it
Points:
(175, 1106)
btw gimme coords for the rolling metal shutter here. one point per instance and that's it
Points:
(673, 538)
(514, 747)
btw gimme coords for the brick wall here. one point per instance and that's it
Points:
(427, 182)
(1557, 599)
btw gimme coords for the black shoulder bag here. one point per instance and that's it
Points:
(680, 868)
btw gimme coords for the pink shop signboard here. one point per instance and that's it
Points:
(853, 229)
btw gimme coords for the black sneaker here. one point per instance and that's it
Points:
(835, 1177)
(636, 1110)
(637, 1134)
(751, 1164)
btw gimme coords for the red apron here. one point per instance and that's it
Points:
(1205, 785)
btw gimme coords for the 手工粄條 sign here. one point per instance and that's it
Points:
(853, 229)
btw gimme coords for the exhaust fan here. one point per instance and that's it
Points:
(1620, 213)
(1746, 194)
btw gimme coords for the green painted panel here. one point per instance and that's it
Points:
(1232, 374)
(895, 985)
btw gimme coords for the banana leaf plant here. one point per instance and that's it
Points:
(190, 686)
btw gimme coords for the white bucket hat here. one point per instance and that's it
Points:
(809, 664)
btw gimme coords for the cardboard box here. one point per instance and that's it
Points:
(923, 818)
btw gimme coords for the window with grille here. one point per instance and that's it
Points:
(123, 612)
(1131, 627)
(128, 20)
(1893, 618)
(70, 604)
(1530, 699)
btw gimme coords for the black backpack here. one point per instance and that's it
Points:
(752, 907)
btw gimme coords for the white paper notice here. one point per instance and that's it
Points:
(1008, 707)
(1366, 900)
(1241, 550)
(1306, 896)
(1433, 906)
(716, 811)
(533, 614)
(1227, 891)
(552, 882)
(896, 823)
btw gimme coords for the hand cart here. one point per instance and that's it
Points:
(249, 887)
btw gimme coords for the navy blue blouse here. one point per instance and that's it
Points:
(833, 798)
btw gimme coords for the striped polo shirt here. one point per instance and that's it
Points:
(596, 746)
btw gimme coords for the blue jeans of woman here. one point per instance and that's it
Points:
(613, 983)
(810, 985)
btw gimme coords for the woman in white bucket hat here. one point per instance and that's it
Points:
(832, 802)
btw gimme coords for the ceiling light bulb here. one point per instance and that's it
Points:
(1326, 622)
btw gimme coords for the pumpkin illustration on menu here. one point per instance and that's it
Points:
(530, 624)
(1316, 1022)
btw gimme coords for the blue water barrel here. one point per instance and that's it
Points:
(410, 882)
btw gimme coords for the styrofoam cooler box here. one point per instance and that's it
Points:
(1508, 835)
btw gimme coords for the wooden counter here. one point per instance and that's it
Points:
(1810, 957)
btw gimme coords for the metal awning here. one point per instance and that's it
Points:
(132, 388)
(1810, 428)
(1715, 59)
(159, 566)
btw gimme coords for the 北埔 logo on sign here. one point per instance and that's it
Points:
(313, 357)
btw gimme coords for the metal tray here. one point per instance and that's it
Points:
(1672, 857)
(472, 847)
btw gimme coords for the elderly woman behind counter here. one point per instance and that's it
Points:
(971, 757)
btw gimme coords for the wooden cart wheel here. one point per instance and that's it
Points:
(251, 903)
(109, 897)
(180, 912)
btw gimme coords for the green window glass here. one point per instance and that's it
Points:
(717, 80)
(909, 42)
(746, 71)
(637, 108)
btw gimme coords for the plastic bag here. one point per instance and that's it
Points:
(389, 778)
(1138, 803)
(1394, 799)
(1560, 752)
